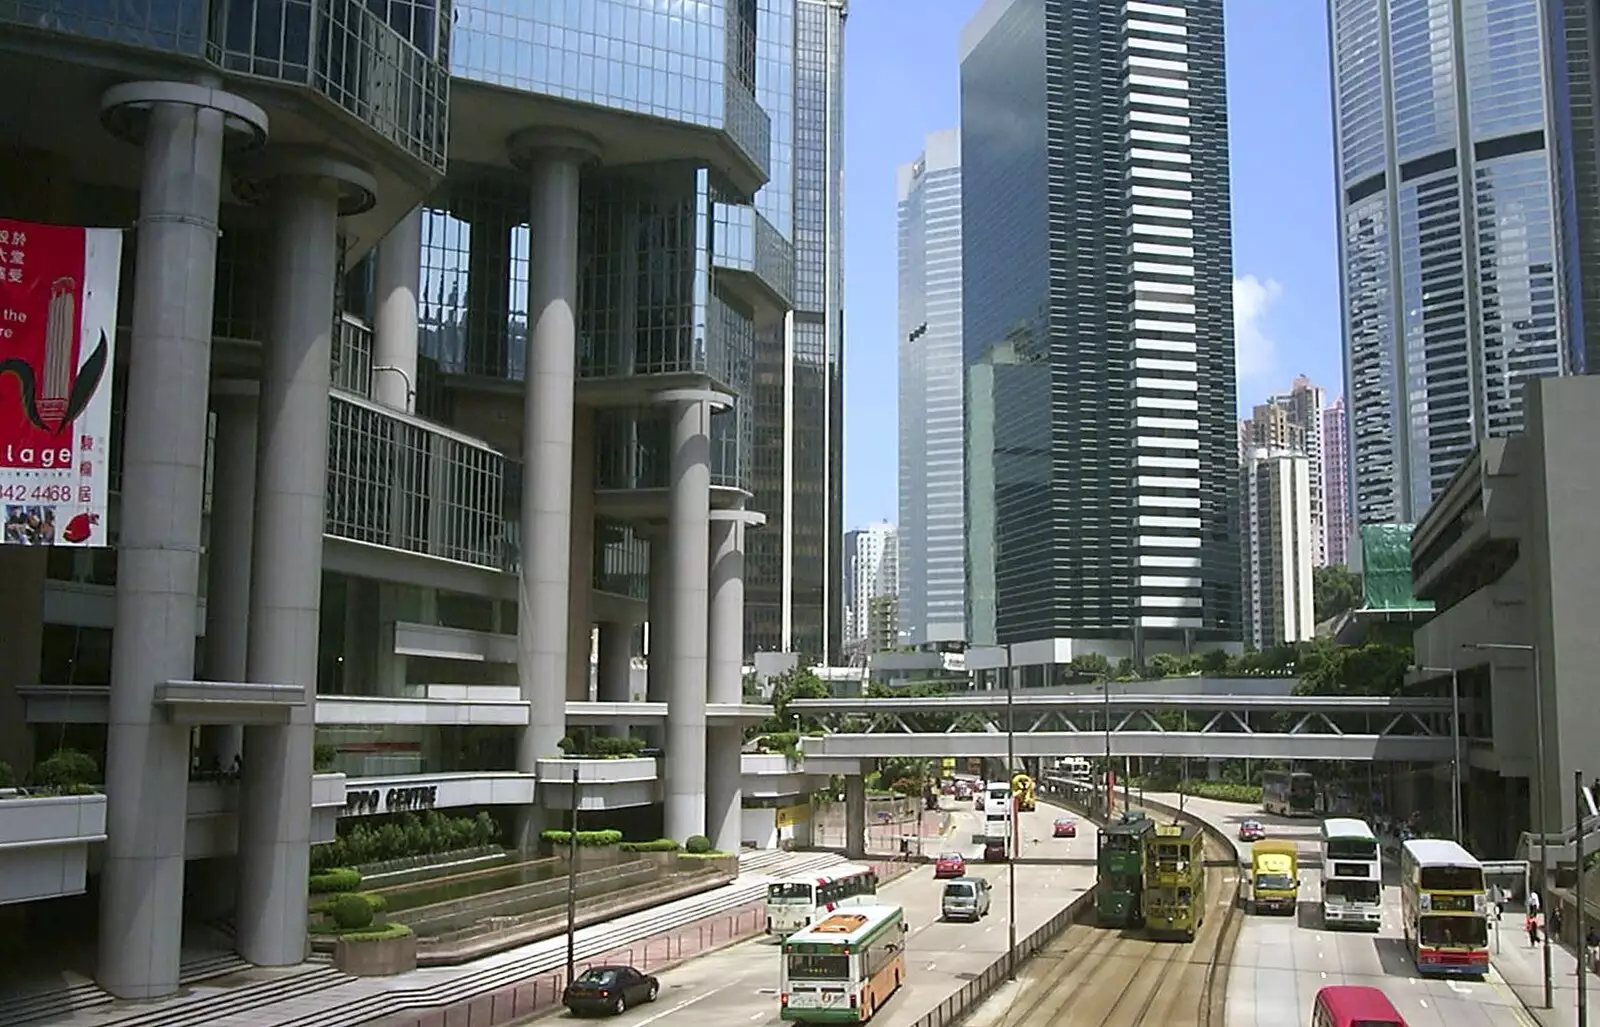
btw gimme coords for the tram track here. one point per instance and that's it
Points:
(1096, 977)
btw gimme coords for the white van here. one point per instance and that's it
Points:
(965, 898)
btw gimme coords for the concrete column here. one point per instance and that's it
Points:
(615, 677)
(307, 192)
(553, 162)
(855, 817)
(396, 279)
(233, 495)
(658, 651)
(580, 580)
(183, 129)
(689, 524)
(725, 684)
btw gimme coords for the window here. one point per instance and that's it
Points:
(1449, 931)
(819, 968)
(1450, 879)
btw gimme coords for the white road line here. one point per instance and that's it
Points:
(685, 1004)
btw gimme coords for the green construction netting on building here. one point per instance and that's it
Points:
(1386, 568)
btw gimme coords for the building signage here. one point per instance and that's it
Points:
(58, 315)
(362, 802)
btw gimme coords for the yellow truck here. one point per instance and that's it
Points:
(1022, 791)
(1274, 877)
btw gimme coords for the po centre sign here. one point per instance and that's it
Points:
(362, 802)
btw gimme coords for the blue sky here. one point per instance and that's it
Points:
(901, 83)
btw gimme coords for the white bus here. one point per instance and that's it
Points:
(1352, 875)
(795, 903)
(1444, 908)
(843, 969)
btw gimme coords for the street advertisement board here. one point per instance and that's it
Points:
(58, 312)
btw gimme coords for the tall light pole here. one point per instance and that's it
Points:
(1582, 935)
(1111, 793)
(1455, 746)
(572, 882)
(1013, 842)
(1540, 824)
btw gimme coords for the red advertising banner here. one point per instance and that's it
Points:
(58, 314)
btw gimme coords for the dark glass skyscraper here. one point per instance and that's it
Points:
(1098, 323)
(793, 573)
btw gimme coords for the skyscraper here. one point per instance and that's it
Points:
(1277, 537)
(1461, 227)
(871, 571)
(932, 497)
(793, 565)
(1293, 420)
(1336, 480)
(1098, 322)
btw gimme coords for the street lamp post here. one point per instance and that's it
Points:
(1582, 935)
(1111, 795)
(1455, 746)
(572, 881)
(1540, 822)
(1015, 832)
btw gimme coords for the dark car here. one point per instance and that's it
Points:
(609, 989)
(994, 851)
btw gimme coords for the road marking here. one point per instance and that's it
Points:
(685, 1004)
(758, 1016)
(1324, 974)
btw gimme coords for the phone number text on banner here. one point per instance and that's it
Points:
(58, 315)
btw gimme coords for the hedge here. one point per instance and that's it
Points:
(697, 845)
(335, 880)
(352, 912)
(402, 837)
(586, 839)
(658, 845)
(325, 906)
(1224, 791)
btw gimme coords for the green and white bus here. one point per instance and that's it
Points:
(845, 967)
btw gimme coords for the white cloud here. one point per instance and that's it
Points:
(1254, 350)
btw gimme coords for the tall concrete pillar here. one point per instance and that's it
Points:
(233, 496)
(183, 128)
(689, 525)
(307, 192)
(658, 650)
(397, 277)
(855, 817)
(553, 162)
(615, 672)
(725, 676)
(580, 587)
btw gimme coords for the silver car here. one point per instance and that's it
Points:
(965, 898)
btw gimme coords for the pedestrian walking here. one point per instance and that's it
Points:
(1532, 925)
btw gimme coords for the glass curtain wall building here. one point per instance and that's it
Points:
(1462, 131)
(932, 491)
(793, 568)
(1098, 320)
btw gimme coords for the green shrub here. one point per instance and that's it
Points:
(66, 769)
(586, 839)
(324, 906)
(7, 778)
(1224, 791)
(697, 845)
(323, 757)
(336, 880)
(380, 932)
(352, 912)
(657, 845)
(376, 839)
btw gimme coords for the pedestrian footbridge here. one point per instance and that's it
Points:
(1277, 727)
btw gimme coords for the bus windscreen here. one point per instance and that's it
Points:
(1448, 931)
(1352, 848)
(1450, 879)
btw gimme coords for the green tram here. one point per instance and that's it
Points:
(1120, 861)
(1175, 880)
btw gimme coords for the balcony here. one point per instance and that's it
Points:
(44, 844)
(601, 784)
(756, 260)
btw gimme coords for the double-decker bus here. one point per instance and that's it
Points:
(1120, 862)
(1175, 880)
(1444, 908)
(844, 968)
(1352, 875)
(794, 903)
(1289, 793)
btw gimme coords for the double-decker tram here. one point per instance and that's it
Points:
(1352, 875)
(1289, 793)
(1175, 880)
(1444, 908)
(1120, 862)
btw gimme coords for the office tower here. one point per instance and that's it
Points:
(1276, 535)
(1098, 323)
(1293, 420)
(872, 559)
(794, 566)
(1336, 481)
(932, 497)
(1461, 227)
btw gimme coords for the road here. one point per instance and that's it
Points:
(1279, 963)
(738, 987)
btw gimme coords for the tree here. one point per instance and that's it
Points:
(1334, 590)
(799, 683)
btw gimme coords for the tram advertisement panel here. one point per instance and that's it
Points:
(58, 315)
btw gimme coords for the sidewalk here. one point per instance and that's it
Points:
(883, 835)
(1522, 967)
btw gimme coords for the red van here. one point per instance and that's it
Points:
(1353, 1005)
